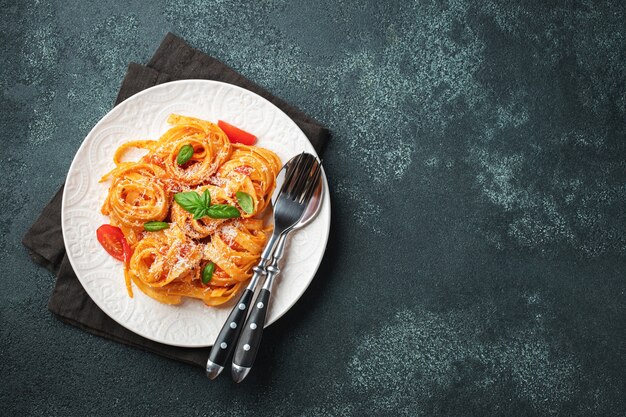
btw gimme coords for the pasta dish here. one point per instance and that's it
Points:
(186, 217)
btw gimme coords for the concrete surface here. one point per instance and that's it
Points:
(478, 248)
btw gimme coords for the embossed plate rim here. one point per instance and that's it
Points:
(323, 220)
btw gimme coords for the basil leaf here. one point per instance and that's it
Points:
(206, 198)
(155, 226)
(184, 154)
(223, 211)
(245, 202)
(199, 213)
(207, 272)
(189, 200)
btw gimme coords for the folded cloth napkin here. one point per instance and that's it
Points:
(173, 60)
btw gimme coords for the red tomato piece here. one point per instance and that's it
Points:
(236, 135)
(113, 241)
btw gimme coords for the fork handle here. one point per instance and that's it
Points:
(250, 339)
(269, 247)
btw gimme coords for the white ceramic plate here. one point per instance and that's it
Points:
(143, 116)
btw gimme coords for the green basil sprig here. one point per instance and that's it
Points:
(245, 202)
(184, 155)
(200, 206)
(223, 211)
(155, 226)
(207, 272)
(194, 203)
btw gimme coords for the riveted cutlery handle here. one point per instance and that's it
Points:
(226, 340)
(250, 339)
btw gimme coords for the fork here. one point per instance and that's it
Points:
(287, 215)
(294, 184)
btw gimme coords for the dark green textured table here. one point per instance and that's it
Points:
(478, 179)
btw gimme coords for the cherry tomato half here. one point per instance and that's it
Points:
(113, 241)
(236, 135)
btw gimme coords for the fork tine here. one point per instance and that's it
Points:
(313, 183)
(300, 181)
(301, 170)
(290, 173)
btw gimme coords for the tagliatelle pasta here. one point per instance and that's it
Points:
(204, 244)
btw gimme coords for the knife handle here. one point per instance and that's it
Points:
(227, 337)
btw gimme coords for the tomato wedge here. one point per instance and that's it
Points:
(113, 241)
(236, 135)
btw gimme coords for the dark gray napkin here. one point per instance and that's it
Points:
(173, 60)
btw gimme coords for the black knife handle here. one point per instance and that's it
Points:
(225, 342)
(250, 339)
